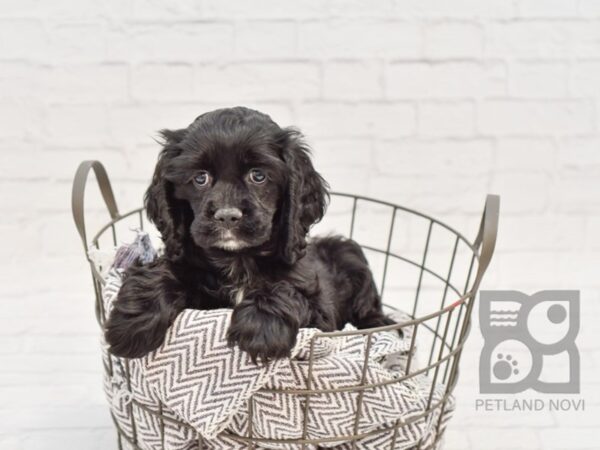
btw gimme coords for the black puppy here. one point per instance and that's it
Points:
(234, 196)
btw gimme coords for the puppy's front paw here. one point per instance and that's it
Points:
(134, 336)
(262, 335)
(141, 315)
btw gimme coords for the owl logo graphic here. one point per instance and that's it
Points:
(529, 342)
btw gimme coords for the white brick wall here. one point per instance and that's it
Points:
(427, 103)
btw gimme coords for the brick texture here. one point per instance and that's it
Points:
(429, 104)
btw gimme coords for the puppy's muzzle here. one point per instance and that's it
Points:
(228, 217)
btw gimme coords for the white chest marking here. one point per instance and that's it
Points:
(239, 296)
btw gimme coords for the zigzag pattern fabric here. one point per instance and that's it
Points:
(220, 394)
(211, 395)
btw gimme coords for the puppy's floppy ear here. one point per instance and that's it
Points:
(304, 200)
(162, 208)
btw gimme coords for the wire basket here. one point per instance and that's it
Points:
(422, 266)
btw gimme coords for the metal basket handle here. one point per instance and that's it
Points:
(486, 237)
(78, 195)
(485, 242)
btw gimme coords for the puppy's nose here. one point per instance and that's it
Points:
(228, 216)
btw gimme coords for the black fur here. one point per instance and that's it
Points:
(255, 260)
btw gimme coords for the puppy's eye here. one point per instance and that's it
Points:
(202, 178)
(257, 176)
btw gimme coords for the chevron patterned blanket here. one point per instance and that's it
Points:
(219, 393)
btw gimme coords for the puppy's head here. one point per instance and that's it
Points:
(234, 181)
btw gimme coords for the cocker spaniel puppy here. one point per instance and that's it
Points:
(234, 196)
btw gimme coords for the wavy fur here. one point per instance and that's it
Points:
(275, 281)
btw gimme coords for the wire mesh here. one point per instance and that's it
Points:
(439, 307)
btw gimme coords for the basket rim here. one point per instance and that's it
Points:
(394, 206)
